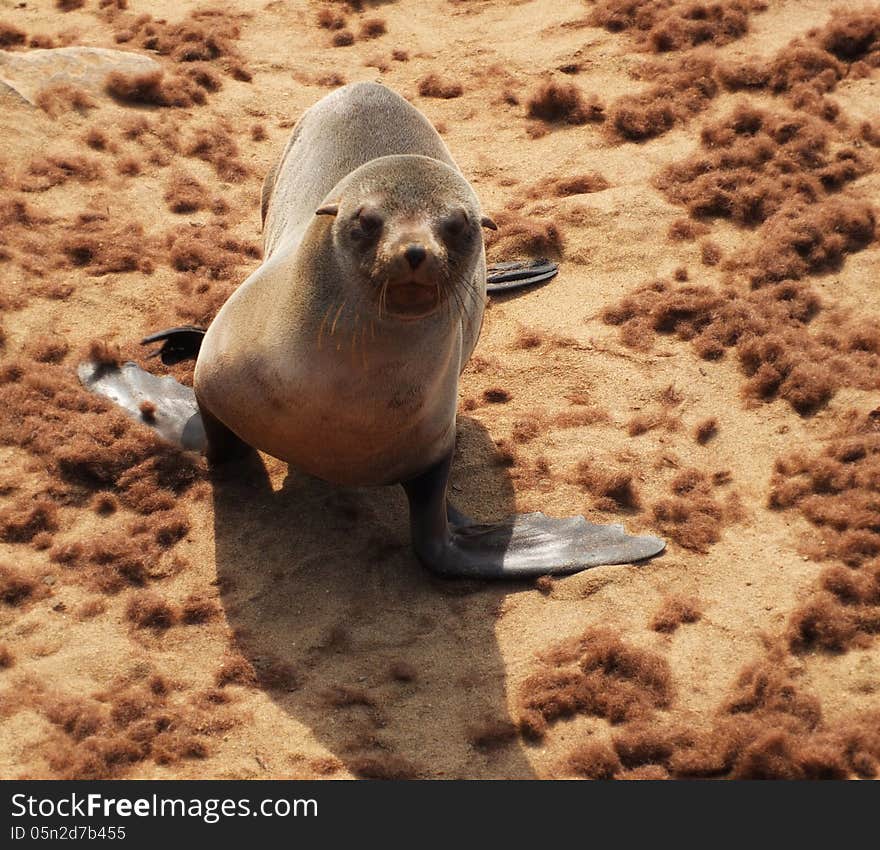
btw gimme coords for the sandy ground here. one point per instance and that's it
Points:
(323, 648)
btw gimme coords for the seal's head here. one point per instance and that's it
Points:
(408, 228)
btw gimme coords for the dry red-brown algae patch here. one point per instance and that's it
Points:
(496, 395)
(492, 734)
(57, 99)
(667, 25)
(372, 28)
(342, 38)
(154, 88)
(678, 94)
(18, 588)
(596, 674)
(204, 35)
(591, 760)
(809, 68)
(693, 516)
(330, 19)
(47, 171)
(102, 244)
(146, 609)
(769, 330)
(564, 187)
(754, 162)
(433, 85)
(685, 230)
(836, 490)
(11, 36)
(216, 144)
(563, 103)
(520, 235)
(104, 735)
(197, 610)
(612, 488)
(382, 766)
(767, 728)
(23, 521)
(185, 194)
(706, 430)
(674, 611)
(235, 670)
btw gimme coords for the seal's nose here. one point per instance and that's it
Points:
(415, 255)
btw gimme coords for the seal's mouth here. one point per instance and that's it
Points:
(410, 299)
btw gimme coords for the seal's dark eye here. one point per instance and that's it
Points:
(367, 223)
(456, 225)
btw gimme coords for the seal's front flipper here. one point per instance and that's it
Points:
(177, 343)
(166, 406)
(528, 545)
(535, 545)
(502, 277)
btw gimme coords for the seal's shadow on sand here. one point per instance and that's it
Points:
(396, 673)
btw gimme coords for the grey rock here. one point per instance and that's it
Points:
(26, 73)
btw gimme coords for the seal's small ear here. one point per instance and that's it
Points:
(327, 209)
(487, 222)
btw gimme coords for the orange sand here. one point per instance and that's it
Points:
(287, 630)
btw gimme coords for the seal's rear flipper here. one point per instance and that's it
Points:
(528, 545)
(502, 277)
(165, 405)
(177, 343)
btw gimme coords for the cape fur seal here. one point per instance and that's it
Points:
(341, 353)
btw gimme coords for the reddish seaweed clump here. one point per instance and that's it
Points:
(754, 163)
(435, 86)
(185, 194)
(674, 611)
(597, 674)
(563, 103)
(836, 490)
(592, 760)
(204, 35)
(148, 610)
(154, 88)
(11, 36)
(613, 488)
(521, 235)
(22, 522)
(677, 95)
(57, 99)
(16, 587)
(693, 516)
(669, 25)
